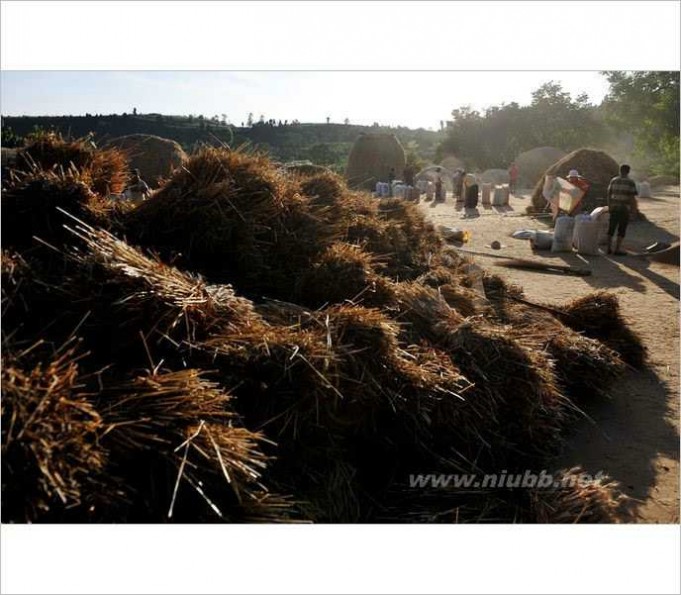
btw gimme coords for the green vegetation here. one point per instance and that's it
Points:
(640, 105)
(647, 105)
(322, 144)
(495, 137)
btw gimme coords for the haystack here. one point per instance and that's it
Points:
(372, 157)
(348, 351)
(87, 440)
(598, 316)
(105, 171)
(235, 218)
(32, 202)
(594, 165)
(50, 430)
(324, 188)
(585, 364)
(344, 273)
(338, 391)
(581, 498)
(400, 237)
(533, 163)
(519, 391)
(155, 157)
(176, 433)
(305, 168)
(127, 292)
(585, 368)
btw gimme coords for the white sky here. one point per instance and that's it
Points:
(414, 99)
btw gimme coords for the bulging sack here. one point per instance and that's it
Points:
(541, 240)
(562, 234)
(644, 190)
(498, 196)
(585, 236)
(602, 216)
(486, 194)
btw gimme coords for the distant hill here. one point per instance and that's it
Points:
(323, 144)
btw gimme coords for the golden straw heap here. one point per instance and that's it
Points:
(256, 344)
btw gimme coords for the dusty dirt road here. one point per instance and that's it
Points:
(634, 438)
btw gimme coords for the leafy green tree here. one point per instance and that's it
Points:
(494, 137)
(414, 162)
(559, 121)
(646, 104)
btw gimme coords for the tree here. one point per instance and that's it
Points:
(346, 121)
(646, 104)
(494, 137)
(249, 121)
(134, 111)
(414, 163)
(559, 120)
(328, 120)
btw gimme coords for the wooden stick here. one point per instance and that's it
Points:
(514, 262)
(532, 265)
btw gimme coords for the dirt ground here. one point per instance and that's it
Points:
(634, 438)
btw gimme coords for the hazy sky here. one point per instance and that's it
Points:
(414, 99)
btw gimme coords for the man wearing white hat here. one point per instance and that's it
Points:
(582, 183)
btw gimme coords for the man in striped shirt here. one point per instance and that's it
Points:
(621, 200)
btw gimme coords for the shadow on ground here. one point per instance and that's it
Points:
(625, 436)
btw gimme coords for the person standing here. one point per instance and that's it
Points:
(391, 178)
(621, 201)
(438, 189)
(457, 183)
(513, 174)
(472, 192)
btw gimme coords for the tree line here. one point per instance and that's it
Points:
(643, 106)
